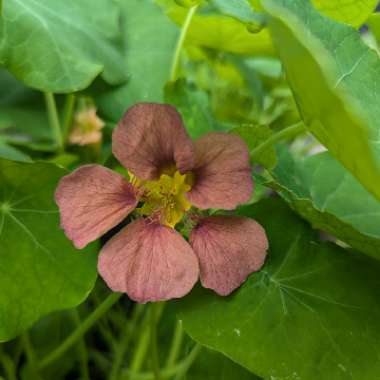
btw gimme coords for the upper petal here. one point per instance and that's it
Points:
(92, 200)
(229, 249)
(151, 136)
(149, 262)
(222, 172)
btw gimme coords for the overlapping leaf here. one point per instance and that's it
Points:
(61, 46)
(311, 313)
(150, 39)
(333, 75)
(40, 269)
(331, 199)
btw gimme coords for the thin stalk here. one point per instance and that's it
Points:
(284, 134)
(8, 365)
(121, 348)
(82, 350)
(153, 342)
(31, 356)
(81, 330)
(178, 369)
(143, 343)
(175, 345)
(68, 115)
(180, 42)
(54, 120)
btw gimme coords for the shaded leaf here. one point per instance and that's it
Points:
(41, 270)
(305, 286)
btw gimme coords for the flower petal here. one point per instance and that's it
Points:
(229, 249)
(150, 137)
(149, 262)
(92, 200)
(222, 172)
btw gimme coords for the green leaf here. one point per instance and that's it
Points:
(193, 104)
(220, 32)
(333, 75)
(41, 271)
(311, 313)
(211, 365)
(150, 39)
(254, 135)
(11, 153)
(331, 199)
(351, 12)
(61, 46)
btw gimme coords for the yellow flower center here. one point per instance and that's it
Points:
(165, 196)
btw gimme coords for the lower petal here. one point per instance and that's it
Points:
(149, 262)
(92, 200)
(229, 249)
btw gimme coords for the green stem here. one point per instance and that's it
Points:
(121, 348)
(176, 344)
(54, 120)
(284, 134)
(81, 330)
(179, 369)
(31, 356)
(68, 115)
(153, 342)
(8, 365)
(143, 343)
(180, 42)
(82, 350)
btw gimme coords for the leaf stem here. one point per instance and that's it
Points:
(121, 348)
(153, 341)
(175, 345)
(68, 115)
(82, 350)
(284, 134)
(81, 330)
(54, 120)
(179, 369)
(31, 356)
(180, 42)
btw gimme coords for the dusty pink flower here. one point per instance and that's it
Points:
(169, 173)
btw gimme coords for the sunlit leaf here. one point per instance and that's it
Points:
(333, 75)
(41, 271)
(220, 32)
(311, 313)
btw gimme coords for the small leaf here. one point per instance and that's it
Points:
(41, 271)
(61, 46)
(311, 313)
(333, 75)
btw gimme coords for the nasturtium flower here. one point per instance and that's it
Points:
(171, 180)
(87, 128)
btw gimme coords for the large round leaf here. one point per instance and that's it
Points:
(40, 269)
(334, 78)
(311, 313)
(61, 46)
